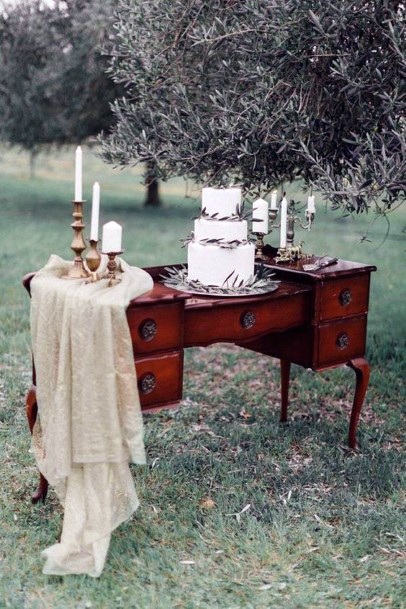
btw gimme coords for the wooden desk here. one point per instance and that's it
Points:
(315, 319)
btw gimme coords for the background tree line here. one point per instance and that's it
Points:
(53, 86)
(54, 89)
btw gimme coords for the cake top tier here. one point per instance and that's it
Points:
(223, 201)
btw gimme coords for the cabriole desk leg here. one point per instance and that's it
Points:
(32, 411)
(285, 378)
(362, 370)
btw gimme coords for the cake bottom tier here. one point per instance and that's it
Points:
(212, 265)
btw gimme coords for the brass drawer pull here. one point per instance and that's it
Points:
(345, 297)
(248, 320)
(147, 383)
(342, 340)
(148, 329)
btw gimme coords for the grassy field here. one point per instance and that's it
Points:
(237, 511)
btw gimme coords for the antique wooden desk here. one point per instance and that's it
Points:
(315, 319)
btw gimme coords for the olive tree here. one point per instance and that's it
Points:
(263, 92)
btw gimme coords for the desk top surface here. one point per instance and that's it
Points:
(162, 294)
(293, 278)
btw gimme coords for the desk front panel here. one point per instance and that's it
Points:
(344, 297)
(160, 379)
(316, 346)
(237, 323)
(156, 327)
(341, 341)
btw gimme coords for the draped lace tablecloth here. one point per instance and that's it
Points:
(90, 425)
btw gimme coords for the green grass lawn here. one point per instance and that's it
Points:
(324, 527)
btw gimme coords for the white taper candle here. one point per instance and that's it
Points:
(273, 200)
(78, 174)
(94, 223)
(284, 219)
(311, 208)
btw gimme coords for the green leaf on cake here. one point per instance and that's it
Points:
(228, 277)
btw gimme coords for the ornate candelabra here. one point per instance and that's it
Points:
(78, 245)
(273, 213)
(292, 252)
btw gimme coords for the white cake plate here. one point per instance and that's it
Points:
(261, 284)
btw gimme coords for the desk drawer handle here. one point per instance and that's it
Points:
(342, 340)
(148, 329)
(147, 383)
(248, 320)
(345, 297)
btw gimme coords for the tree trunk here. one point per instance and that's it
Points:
(33, 156)
(152, 199)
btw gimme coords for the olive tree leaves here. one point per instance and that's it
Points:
(262, 92)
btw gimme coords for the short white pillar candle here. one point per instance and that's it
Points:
(260, 216)
(111, 242)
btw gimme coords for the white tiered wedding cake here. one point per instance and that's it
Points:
(219, 253)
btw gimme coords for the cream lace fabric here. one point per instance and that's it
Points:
(90, 424)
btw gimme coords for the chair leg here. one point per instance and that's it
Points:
(285, 378)
(31, 409)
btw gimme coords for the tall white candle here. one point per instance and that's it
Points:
(260, 216)
(112, 233)
(94, 223)
(78, 174)
(284, 219)
(273, 200)
(311, 208)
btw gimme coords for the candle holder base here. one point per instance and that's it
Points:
(77, 271)
(93, 258)
(93, 277)
(259, 246)
(114, 270)
(291, 253)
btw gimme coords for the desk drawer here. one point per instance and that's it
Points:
(241, 322)
(342, 340)
(344, 297)
(156, 328)
(160, 379)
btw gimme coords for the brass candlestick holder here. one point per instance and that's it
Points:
(272, 219)
(272, 223)
(259, 246)
(78, 245)
(113, 273)
(93, 258)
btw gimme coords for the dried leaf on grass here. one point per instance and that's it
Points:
(207, 503)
